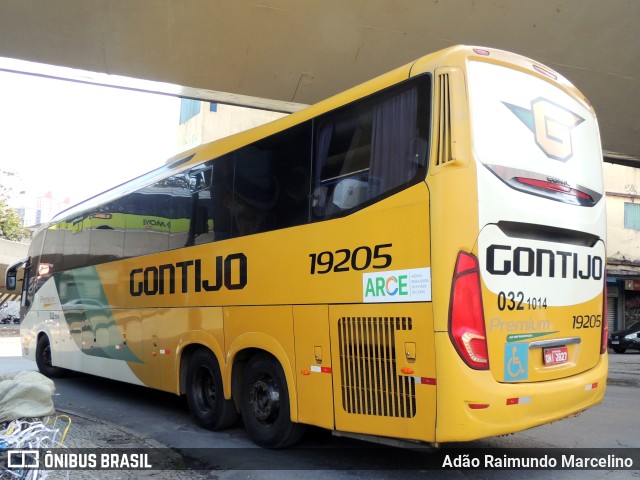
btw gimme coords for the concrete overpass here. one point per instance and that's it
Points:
(278, 54)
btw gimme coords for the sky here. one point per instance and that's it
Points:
(77, 140)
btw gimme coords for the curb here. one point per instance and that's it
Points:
(88, 432)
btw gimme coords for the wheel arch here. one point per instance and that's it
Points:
(190, 343)
(248, 345)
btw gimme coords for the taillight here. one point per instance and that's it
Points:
(466, 315)
(605, 325)
(546, 186)
(554, 187)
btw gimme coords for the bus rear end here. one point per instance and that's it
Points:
(526, 318)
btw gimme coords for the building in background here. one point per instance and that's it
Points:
(32, 209)
(622, 187)
(202, 122)
(35, 210)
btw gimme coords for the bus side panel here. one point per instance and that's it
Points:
(268, 328)
(66, 351)
(384, 371)
(157, 336)
(129, 325)
(313, 365)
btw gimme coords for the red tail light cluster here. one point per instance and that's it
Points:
(555, 187)
(466, 313)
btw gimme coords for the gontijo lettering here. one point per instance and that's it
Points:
(526, 262)
(195, 276)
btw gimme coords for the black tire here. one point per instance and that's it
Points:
(43, 359)
(619, 350)
(205, 393)
(264, 404)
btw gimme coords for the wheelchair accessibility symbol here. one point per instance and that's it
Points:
(516, 361)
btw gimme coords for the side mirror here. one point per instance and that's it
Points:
(11, 280)
(200, 180)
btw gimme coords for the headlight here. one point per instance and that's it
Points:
(631, 336)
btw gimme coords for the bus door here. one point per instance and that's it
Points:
(314, 365)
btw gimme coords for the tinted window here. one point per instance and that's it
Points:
(210, 185)
(370, 149)
(107, 232)
(36, 279)
(271, 183)
(180, 210)
(200, 203)
(76, 242)
(147, 219)
(51, 259)
(221, 196)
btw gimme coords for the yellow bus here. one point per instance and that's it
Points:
(419, 258)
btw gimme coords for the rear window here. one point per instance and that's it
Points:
(522, 122)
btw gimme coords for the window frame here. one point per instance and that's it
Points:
(424, 106)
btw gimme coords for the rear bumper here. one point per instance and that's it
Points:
(472, 405)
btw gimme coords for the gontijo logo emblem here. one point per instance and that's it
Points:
(413, 285)
(551, 125)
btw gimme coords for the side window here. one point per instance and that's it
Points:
(370, 149)
(107, 233)
(221, 195)
(271, 182)
(202, 208)
(180, 211)
(201, 222)
(36, 277)
(147, 222)
(76, 242)
(52, 252)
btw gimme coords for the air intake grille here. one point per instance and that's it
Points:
(370, 385)
(444, 126)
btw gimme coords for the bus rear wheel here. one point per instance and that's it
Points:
(265, 406)
(205, 393)
(43, 359)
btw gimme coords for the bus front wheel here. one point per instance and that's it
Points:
(43, 359)
(264, 404)
(205, 394)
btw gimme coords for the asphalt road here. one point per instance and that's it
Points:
(165, 419)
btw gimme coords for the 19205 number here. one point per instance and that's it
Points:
(587, 321)
(344, 259)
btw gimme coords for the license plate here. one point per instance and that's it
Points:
(615, 342)
(555, 355)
